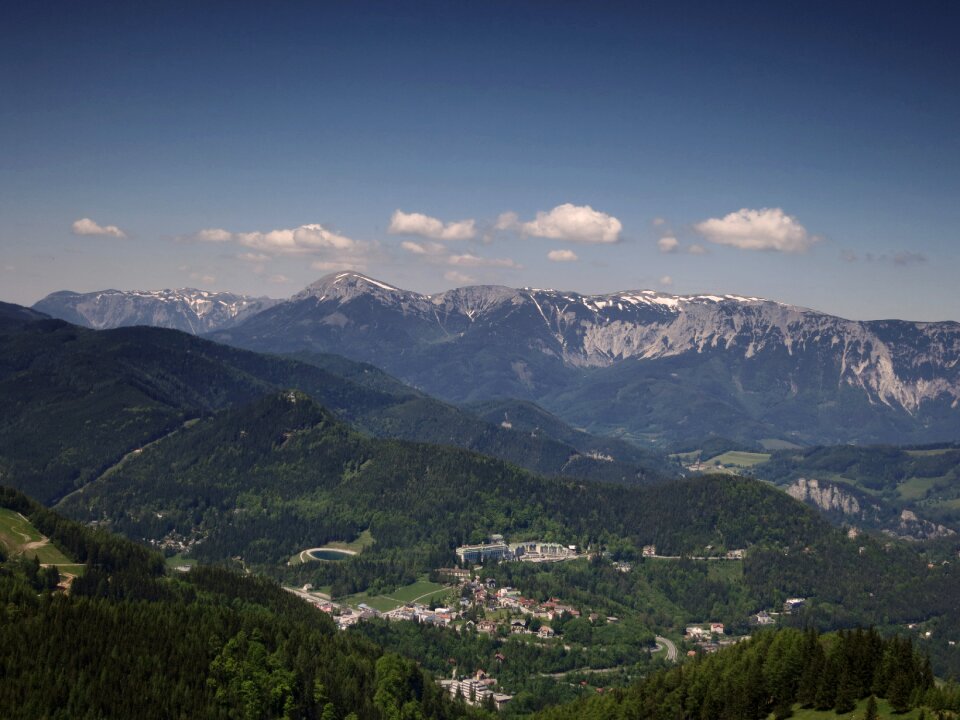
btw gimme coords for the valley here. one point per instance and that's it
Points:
(330, 489)
(500, 360)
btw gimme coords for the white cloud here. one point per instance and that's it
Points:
(574, 223)
(214, 235)
(423, 248)
(666, 281)
(562, 256)
(86, 226)
(458, 277)
(402, 223)
(668, 244)
(279, 279)
(475, 261)
(507, 221)
(304, 239)
(765, 229)
(658, 221)
(697, 249)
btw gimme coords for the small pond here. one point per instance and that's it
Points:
(329, 554)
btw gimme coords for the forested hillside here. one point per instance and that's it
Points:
(74, 402)
(911, 492)
(264, 482)
(774, 673)
(129, 642)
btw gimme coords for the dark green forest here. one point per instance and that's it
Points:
(265, 481)
(74, 402)
(128, 641)
(773, 672)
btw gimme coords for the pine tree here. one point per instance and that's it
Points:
(899, 691)
(846, 691)
(871, 713)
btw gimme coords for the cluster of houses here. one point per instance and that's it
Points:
(497, 550)
(345, 616)
(708, 637)
(650, 551)
(477, 689)
(790, 605)
(416, 612)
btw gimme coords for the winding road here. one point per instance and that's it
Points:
(668, 644)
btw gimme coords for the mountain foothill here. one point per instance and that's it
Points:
(239, 431)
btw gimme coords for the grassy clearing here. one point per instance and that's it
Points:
(50, 555)
(777, 444)
(422, 591)
(76, 570)
(917, 488)
(363, 541)
(16, 531)
(17, 534)
(883, 711)
(179, 560)
(928, 453)
(738, 458)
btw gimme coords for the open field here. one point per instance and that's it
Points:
(777, 444)
(737, 458)
(422, 591)
(180, 560)
(883, 711)
(16, 531)
(928, 453)
(19, 536)
(916, 488)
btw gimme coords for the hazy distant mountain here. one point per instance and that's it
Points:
(187, 309)
(644, 364)
(11, 314)
(75, 401)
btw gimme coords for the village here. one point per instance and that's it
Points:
(466, 599)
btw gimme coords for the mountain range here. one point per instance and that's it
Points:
(187, 309)
(650, 367)
(75, 402)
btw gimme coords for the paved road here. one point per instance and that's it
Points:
(671, 648)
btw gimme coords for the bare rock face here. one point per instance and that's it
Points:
(667, 368)
(911, 527)
(827, 497)
(187, 309)
(836, 502)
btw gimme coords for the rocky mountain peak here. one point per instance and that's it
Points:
(348, 285)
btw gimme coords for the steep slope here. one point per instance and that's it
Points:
(321, 481)
(128, 642)
(15, 315)
(266, 481)
(906, 492)
(657, 367)
(187, 309)
(75, 401)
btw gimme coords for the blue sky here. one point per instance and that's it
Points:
(806, 152)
